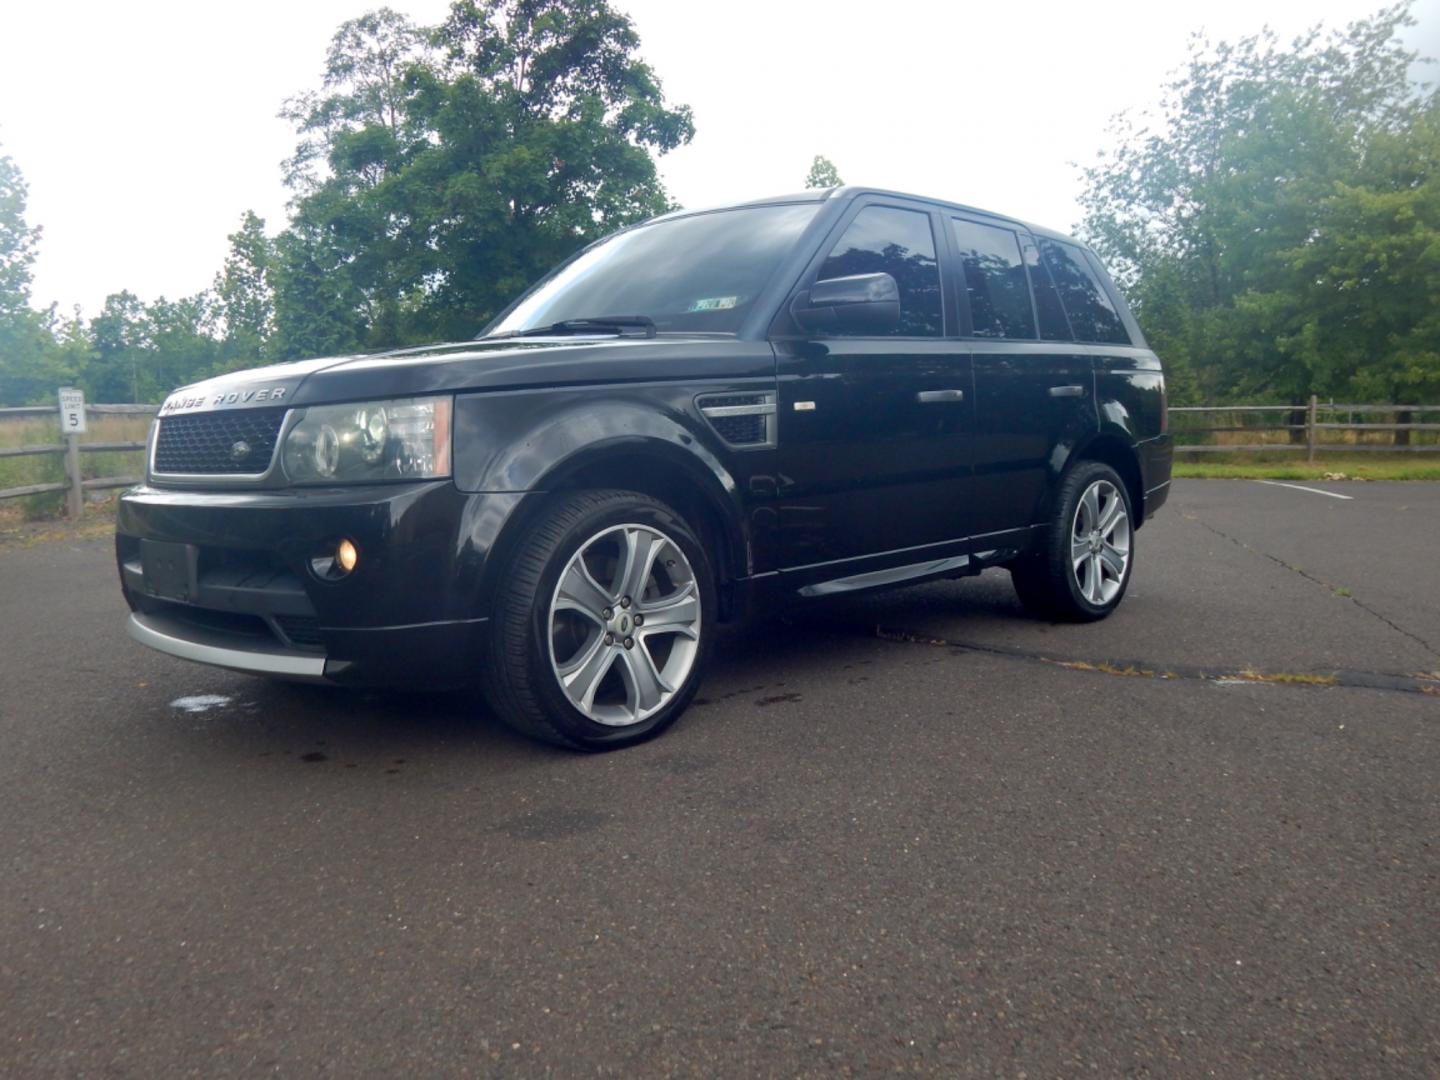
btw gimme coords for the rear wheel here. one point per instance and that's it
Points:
(601, 632)
(1082, 570)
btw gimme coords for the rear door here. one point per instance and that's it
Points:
(1034, 390)
(875, 431)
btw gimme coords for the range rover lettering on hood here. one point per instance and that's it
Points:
(253, 396)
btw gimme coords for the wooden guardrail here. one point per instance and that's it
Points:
(74, 484)
(1313, 428)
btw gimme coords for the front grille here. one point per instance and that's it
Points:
(210, 442)
(302, 630)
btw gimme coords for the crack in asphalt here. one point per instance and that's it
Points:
(1140, 669)
(1341, 591)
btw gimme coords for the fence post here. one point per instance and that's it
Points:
(1310, 432)
(74, 494)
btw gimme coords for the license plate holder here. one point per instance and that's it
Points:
(169, 569)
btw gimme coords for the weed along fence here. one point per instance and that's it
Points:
(35, 422)
(1316, 427)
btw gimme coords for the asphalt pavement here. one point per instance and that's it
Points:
(915, 833)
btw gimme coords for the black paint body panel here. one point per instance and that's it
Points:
(889, 460)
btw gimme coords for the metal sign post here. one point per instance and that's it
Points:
(72, 425)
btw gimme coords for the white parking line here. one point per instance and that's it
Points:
(1298, 487)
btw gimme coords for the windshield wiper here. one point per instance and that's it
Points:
(618, 323)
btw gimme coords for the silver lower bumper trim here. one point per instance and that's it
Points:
(212, 647)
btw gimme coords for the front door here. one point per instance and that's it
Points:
(875, 431)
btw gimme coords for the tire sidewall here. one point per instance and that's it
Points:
(571, 722)
(1062, 528)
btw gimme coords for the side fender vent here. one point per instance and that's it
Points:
(742, 420)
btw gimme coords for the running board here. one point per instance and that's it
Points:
(895, 575)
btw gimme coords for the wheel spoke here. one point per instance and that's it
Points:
(640, 547)
(643, 685)
(583, 679)
(1096, 592)
(1114, 515)
(1090, 507)
(1114, 560)
(1079, 552)
(581, 592)
(676, 613)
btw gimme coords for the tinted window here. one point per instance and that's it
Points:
(883, 239)
(995, 280)
(1053, 326)
(1092, 316)
(701, 272)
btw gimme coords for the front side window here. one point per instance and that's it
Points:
(995, 280)
(1092, 315)
(885, 239)
(702, 272)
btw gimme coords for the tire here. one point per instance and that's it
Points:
(600, 569)
(1083, 567)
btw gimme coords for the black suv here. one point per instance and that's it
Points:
(708, 414)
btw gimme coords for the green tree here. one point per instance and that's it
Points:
(823, 174)
(244, 295)
(1275, 226)
(440, 172)
(25, 371)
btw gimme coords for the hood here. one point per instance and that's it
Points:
(509, 363)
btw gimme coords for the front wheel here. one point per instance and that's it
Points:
(603, 625)
(1083, 568)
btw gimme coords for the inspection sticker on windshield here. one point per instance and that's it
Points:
(715, 303)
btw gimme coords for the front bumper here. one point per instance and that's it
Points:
(227, 579)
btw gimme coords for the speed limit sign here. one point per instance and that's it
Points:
(72, 410)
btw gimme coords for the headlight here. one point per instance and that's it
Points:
(403, 439)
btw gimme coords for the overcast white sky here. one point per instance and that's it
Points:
(145, 129)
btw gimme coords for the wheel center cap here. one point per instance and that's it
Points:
(622, 623)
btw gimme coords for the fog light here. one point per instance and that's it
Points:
(337, 563)
(346, 555)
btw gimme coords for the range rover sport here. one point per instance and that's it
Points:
(703, 416)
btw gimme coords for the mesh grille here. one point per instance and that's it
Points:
(740, 430)
(208, 443)
(752, 423)
(302, 630)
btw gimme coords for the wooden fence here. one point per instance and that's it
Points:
(73, 484)
(1312, 436)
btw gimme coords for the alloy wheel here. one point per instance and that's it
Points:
(624, 624)
(1100, 543)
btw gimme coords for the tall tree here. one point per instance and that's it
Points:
(823, 173)
(244, 294)
(24, 339)
(1259, 221)
(441, 172)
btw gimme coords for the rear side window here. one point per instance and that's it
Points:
(886, 239)
(995, 280)
(1092, 316)
(1053, 326)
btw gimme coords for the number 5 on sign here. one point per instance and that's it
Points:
(72, 410)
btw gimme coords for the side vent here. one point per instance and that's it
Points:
(742, 420)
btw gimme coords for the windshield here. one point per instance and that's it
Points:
(701, 272)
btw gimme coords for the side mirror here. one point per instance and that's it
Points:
(861, 303)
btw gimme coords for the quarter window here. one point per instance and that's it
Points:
(1053, 326)
(1092, 315)
(995, 280)
(885, 239)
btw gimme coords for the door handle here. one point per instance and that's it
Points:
(938, 397)
(1067, 391)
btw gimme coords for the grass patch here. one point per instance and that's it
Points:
(1260, 466)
